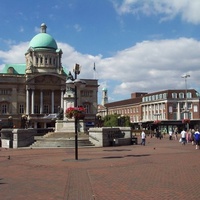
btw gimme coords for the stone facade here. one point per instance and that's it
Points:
(37, 88)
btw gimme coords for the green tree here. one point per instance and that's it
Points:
(116, 120)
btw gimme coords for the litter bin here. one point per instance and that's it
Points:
(134, 140)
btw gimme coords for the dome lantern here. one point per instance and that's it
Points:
(43, 28)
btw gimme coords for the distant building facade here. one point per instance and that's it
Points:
(36, 88)
(168, 108)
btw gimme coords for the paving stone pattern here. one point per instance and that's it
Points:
(161, 170)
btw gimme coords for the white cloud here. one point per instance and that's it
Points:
(147, 66)
(15, 54)
(71, 56)
(168, 9)
(153, 65)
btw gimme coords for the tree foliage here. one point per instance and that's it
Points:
(116, 120)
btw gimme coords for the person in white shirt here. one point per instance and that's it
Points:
(170, 135)
(143, 137)
(183, 136)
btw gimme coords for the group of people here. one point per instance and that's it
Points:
(193, 136)
(186, 136)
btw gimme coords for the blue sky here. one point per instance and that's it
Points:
(136, 45)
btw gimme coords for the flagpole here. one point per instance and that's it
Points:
(94, 68)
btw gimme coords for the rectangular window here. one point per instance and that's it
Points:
(181, 95)
(143, 99)
(5, 91)
(195, 108)
(175, 105)
(170, 109)
(182, 105)
(175, 116)
(86, 106)
(156, 96)
(174, 95)
(164, 95)
(36, 109)
(86, 93)
(189, 105)
(149, 98)
(4, 108)
(189, 95)
(46, 109)
(21, 108)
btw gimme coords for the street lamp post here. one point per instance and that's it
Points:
(74, 83)
(186, 111)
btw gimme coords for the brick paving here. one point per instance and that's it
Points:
(161, 170)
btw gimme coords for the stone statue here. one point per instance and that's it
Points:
(60, 113)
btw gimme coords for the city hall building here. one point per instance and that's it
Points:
(37, 87)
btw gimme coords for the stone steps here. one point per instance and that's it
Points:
(53, 140)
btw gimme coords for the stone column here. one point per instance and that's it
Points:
(52, 101)
(27, 101)
(62, 99)
(178, 112)
(41, 102)
(32, 101)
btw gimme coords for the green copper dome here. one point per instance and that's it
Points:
(43, 40)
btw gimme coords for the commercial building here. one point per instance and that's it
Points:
(167, 109)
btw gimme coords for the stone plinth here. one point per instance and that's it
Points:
(105, 136)
(14, 138)
(69, 125)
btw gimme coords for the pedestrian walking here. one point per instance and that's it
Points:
(143, 137)
(197, 138)
(192, 136)
(158, 134)
(176, 134)
(170, 135)
(188, 135)
(183, 136)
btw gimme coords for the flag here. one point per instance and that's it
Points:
(94, 67)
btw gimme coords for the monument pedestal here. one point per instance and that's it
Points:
(68, 125)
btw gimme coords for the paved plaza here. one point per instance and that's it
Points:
(163, 170)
